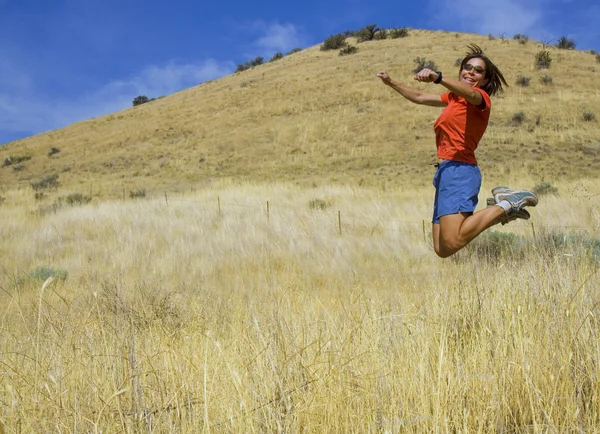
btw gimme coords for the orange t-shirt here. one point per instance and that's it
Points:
(460, 127)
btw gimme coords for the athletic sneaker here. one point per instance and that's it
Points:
(517, 198)
(519, 214)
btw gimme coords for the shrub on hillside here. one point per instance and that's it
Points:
(250, 64)
(521, 38)
(402, 32)
(139, 100)
(43, 273)
(367, 33)
(49, 181)
(76, 199)
(15, 160)
(565, 43)
(543, 60)
(381, 35)
(544, 189)
(53, 151)
(318, 204)
(294, 50)
(140, 192)
(334, 42)
(494, 245)
(598, 58)
(423, 63)
(523, 81)
(276, 56)
(350, 49)
(588, 116)
(546, 79)
(518, 118)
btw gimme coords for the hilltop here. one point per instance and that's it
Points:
(316, 117)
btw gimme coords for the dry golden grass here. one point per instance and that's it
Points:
(317, 118)
(205, 313)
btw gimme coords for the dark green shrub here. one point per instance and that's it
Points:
(250, 64)
(423, 63)
(458, 61)
(140, 192)
(399, 33)
(495, 245)
(546, 79)
(367, 33)
(491, 37)
(294, 50)
(598, 58)
(47, 182)
(76, 199)
(318, 204)
(565, 43)
(543, 60)
(139, 100)
(518, 118)
(334, 42)
(276, 56)
(521, 38)
(544, 189)
(350, 49)
(43, 273)
(523, 81)
(53, 151)
(381, 35)
(15, 160)
(588, 116)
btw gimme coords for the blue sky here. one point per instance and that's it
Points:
(62, 61)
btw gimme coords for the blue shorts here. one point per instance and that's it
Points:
(457, 186)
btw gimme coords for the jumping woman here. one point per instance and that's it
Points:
(458, 131)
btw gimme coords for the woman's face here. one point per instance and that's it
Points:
(473, 73)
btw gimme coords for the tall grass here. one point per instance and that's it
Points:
(205, 313)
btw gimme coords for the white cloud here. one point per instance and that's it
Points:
(279, 38)
(34, 113)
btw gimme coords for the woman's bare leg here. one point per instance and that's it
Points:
(455, 231)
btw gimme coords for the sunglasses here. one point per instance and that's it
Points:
(478, 69)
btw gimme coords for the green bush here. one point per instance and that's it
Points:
(250, 64)
(350, 49)
(495, 245)
(546, 79)
(380, 35)
(544, 189)
(588, 116)
(318, 204)
(276, 56)
(76, 199)
(15, 160)
(598, 58)
(367, 33)
(398, 33)
(334, 42)
(43, 273)
(423, 63)
(139, 100)
(523, 81)
(565, 43)
(294, 50)
(521, 38)
(140, 192)
(53, 151)
(49, 181)
(543, 60)
(518, 118)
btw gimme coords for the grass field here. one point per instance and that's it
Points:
(277, 308)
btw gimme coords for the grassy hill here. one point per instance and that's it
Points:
(315, 117)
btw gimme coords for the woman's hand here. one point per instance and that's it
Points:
(426, 75)
(384, 77)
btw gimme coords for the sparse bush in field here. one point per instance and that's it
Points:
(367, 33)
(18, 167)
(546, 79)
(458, 61)
(76, 199)
(380, 35)
(598, 58)
(518, 118)
(523, 39)
(588, 116)
(350, 49)
(53, 151)
(139, 100)
(491, 37)
(42, 273)
(494, 245)
(350, 33)
(543, 60)
(334, 42)
(39, 195)
(399, 33)
(250, 64)
(49, 181)
(423, 63)
(592, 52)
(523, 81)
(565, 43)
(318, 204)
(544, 189)
(140, 192)
(2, 199)
(276, 56)
(15, 160)
(294, 50)
(574, 243)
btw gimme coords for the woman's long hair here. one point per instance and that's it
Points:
(492, 73)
